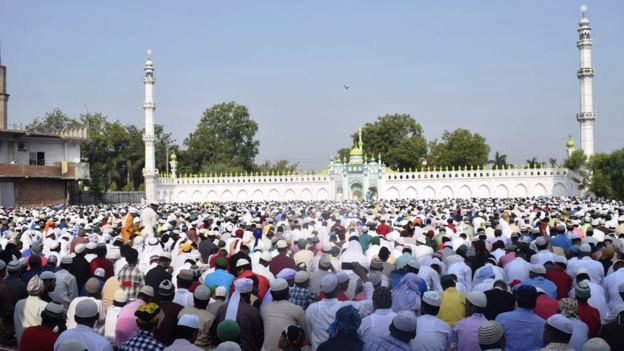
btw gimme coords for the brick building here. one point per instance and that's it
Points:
(38, 169)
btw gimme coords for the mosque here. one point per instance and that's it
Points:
(364, 177)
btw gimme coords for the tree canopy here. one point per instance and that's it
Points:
(225, 138)
(54, 122)
(459, 148)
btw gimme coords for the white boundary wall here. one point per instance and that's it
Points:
(425, 185)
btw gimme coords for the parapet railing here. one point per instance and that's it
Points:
(476, 173)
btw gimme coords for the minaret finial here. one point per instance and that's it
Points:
(584, 9)
(149, 54)
(360, 143)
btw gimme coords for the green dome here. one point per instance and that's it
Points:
(173, 157)
(356, 151)
(570, 143)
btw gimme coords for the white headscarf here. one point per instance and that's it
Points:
(241, 286)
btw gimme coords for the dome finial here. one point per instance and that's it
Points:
(584, 9)
(149, 54)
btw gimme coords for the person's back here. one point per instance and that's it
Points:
(279, 314)
(523, 328)
(38, 338)
(499, 300)
(165, 332)
(85, 318)
(452, 302)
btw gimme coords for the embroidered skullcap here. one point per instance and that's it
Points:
(279, 284)
(202, 293)
(166, 288)
(405, 321)
(432, 298)
(228, 330)
(329, 283)
(568, 307)
(99, 272)
(147, 313)
(477, 298)
(582, 290)
(86, 309)
(490, 332)
(302, 277)
(189, 320)
(596, 344)
(34, 286)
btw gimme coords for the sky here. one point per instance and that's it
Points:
(503, 69)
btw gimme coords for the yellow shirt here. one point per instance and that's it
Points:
(452, 306)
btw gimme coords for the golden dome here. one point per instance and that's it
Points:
(173, 157)
(356, 151)
(570, 143)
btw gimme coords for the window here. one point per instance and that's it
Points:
(36, 158)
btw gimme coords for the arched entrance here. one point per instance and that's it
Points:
(357, 191)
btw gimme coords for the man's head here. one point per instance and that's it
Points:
(413, 266)
(201, 297)
(558, 329)
(476, 301)
(166, 291)
(537, 271)
(403, 326)
(526, 296)
(49, 280)
(187, 328)
(302, 279)
(279, 289)
(147, 316)
(431, 303)
(53, 316)
(491, 335)
(185, 279)
(86, 313)
(382, 298)
(582, 291)
(329, 286)
(448, 281)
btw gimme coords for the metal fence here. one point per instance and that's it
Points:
(111, 197)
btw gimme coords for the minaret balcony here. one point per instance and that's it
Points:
(147, 138)
(586, 116)
(149, 105)
(584, 72)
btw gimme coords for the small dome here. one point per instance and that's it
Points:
(356, 151)
(570, 143)
(584, 21)
(173, 157)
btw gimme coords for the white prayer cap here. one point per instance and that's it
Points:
(279, 284)
(561, 259)
(581, 270)
(45, 275)
(490, 332)
(72, 345)
(302, 277)
(405, 321)
(120, 296)
(243, 285)
(80, 248)
(147, 291)
(228, 346)
(189, 320)
(537, 269)
(585, 248)
(133, 210)
(342, 277)
(414, 263)
(432, 298)
(220, 291)
(86, 309)
(165, 255)
(560, 323)
(596, 344)
(329, 283)
(202, 293)
(136, 220)
(374, 278)
(99, 272)
(55, 308)
(477, 298)
(561, 227)
(91, 245)
(282, 244)
(266, 256)
(242, 262)
(540, 241)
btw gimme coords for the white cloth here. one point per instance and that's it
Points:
(542, 257)
(610, 285)
(263, 271)
(27, 314)
(66, 288)
(183, 297)
(462, 272)
(321, 314)
(149, 220)
(432, 334)
(376, 324)
(594, 268)
(182, 345)
(110, 322)
(85, 335)
(518, 269)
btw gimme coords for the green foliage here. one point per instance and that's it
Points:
(398, 138)
(575, 161)
(53, 123)
(343, 154)
(534, 163)
(499, 160)
(608, 174)
(225, 135)
(459, 148)
(281, 166)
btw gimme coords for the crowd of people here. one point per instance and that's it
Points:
(479, 274)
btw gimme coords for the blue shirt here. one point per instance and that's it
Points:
(386, 343)
(550, 289)
(524, 330)
(220, 278)
(562, 241)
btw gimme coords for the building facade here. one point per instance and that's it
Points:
(361, 177)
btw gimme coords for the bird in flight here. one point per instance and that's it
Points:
(346, 87)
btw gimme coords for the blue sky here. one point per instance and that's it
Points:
(504, 69)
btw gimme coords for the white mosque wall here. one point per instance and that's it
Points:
(482, 183)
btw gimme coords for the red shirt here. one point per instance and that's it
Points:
(383, 229)
(280, 262)
(546, 307)
(561, 279)
(105, 264)
(589, 316)
(38, 338)
(263, 283)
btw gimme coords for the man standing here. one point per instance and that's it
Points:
(28, 311)
(131, 279)
(220, 277)
(201, 297)
(86, 316)
(149, 219)
(300, 295)
(42, 337)
(128, 224)
(160, 272)
(282, 260)
(452, 302)
(523, 328)
(279, 314)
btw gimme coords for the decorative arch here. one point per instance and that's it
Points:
(483, 191)
(428, 193)
(322, 195)
(257, 196)
(212, 196)
(227, 196)
(502, 191)
(273, 195)
(197, 196)
(411, 193)
(392, 193)
(521, 191)
(447, 192)
(539, 190)
(290, 195)
(560, 190)
(183, 196)
(306, 195)
(242, 196)
(464, 192)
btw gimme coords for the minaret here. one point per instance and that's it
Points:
(585, 74)
(4, 97)
(150, 171)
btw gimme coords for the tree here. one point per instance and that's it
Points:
(343, 154)
(552, 162)
(53, 123)
(165, 145)
(279, 167)
(607, 174)
(459, 148)
(577, 163)
(225, 134)
(398, 138)
(534, 163)
(500, 160)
